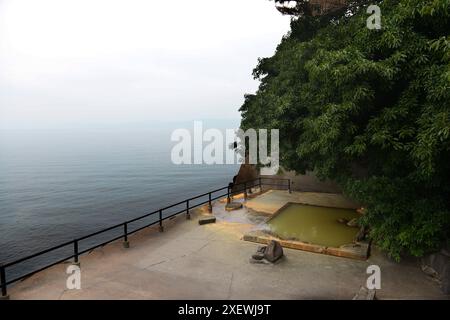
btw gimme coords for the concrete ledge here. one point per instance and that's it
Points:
(357, 251)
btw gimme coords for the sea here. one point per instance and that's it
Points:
(61, 184)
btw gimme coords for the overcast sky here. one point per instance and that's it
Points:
(89, 62)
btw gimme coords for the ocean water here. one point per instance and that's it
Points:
(58, 185)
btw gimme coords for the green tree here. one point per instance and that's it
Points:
(371, 110)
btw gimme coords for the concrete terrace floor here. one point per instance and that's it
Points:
(189, 261)
(272, 200)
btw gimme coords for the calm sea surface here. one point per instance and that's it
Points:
(58, 185)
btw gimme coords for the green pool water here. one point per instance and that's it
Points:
(314, 224)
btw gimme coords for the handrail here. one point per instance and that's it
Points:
(247, 184)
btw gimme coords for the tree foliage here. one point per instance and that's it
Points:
(371, 110)
(310, 7)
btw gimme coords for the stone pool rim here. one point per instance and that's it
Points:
(359, 250)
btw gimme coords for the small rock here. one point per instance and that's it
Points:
(233, 206)
(353, 223)
(274, 251)
(342, 220)
(429, 271)
(438, 265)
(206, 220)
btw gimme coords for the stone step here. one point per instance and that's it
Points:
(207, 219)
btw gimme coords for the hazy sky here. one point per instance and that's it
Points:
(89, 62)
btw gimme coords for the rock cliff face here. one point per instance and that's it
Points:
(246, 172)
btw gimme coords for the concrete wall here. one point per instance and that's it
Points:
(307, 182)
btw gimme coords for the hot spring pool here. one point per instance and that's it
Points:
(314, 224)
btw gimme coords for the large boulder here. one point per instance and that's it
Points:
(437, 265)
(273, 251)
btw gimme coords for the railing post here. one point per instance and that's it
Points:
(260, 184)
(209, 203)
(126, 244)
(161, 228)
(4, 295)
(228, 194)
(188, 215)
(245, 191)
(75, 252)
(289, 180)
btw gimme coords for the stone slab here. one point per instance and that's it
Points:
(206, 220)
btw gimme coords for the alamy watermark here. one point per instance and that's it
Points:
(374, 280)
(373, 22)
(237, 147)
(74, 279)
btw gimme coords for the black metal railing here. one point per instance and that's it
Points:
(211, 196)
